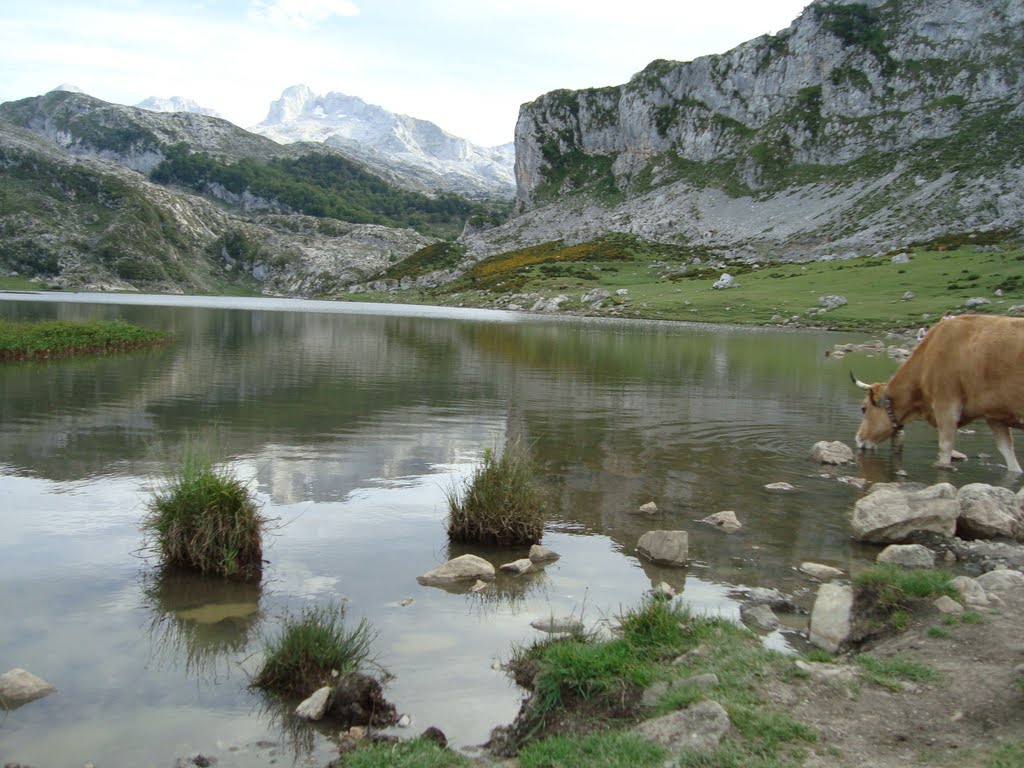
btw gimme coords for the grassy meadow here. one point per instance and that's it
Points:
(668, 283)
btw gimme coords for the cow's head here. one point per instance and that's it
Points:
(877, 424)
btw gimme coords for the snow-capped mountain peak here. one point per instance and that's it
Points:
(175, 104)
(417, 152)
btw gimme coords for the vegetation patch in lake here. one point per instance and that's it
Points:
(59, 338)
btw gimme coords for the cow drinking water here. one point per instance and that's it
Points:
(966, 368)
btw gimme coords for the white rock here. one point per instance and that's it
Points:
(725, 520)
(833, 452)
(820, 572)
(663, 590)
(831, 617)
(18, 686)
(890, 513)
(664, 547)
(1003, 580)
(404, 721)
(649, 508)
(314, 707)
(971, 591)
(907, 556)
(988, 511)
(760, 616)
(948, 605)
(517, 566)
(700, 726)
(539, 554)
(725, 281)
(462, 568)
(784, 487)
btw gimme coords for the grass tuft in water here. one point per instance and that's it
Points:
(28, 340)
(312, 650)
(499, 504)
(206, 520)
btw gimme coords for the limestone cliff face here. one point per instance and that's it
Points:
(864, 97)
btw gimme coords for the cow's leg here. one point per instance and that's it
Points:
(946, 424)
(1004, 442)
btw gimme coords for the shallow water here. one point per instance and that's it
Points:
(351, 421)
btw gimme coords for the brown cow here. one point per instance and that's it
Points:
(966, 368)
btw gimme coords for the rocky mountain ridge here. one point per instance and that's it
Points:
(862, 126)
(78, 209)
(425, 156)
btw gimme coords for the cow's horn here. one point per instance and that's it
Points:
(858, 382)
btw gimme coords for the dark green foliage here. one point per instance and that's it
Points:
(857, 25)
(206, 520)
(500, 503)
(443, 255)
(60, 338)
(310, 649)
(318, 184)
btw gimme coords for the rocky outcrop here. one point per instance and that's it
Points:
(664, 547)
(884, 100)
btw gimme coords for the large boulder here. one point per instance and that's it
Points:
(890, 512)
(987, 511)
(664, 547)
(465, 568)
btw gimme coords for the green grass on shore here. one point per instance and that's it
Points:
(662, 282)
(59, 338)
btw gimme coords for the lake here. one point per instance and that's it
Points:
(351, 421)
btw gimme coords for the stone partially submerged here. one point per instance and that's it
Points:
(833, 452)
(988, 511)
(665, 547)
(465, 568)
(19, 686)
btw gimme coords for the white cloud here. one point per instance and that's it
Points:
(300, 13)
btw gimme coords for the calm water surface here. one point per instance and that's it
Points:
(351, 421)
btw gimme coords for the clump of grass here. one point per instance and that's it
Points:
(415, 753)
(311, 650)
(896, 587)
(889, 672)
(598, 750)
(60, 338)
(500, 503)
(206, 520)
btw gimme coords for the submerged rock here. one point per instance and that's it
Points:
(314, 707)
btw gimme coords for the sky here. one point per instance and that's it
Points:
(466, 65)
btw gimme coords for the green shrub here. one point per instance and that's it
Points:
(311, 650)
(499, 503)
(206, 520)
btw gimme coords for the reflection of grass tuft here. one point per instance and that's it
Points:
(200, 620)
(311, 650)
(206, 520)
(499, 504)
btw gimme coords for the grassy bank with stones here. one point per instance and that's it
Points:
(904, 288)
